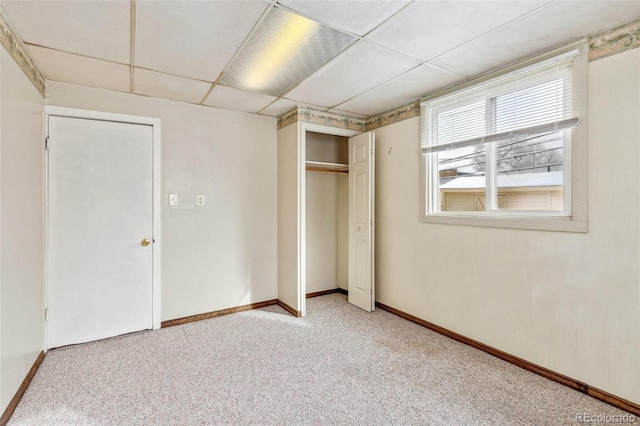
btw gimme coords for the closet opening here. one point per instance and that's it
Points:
(327, 214)
(326, 223)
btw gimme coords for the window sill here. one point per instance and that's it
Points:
(558, 224)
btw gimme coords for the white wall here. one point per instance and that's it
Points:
(327, 231)
(343, 231)
(224, 254)
(321, 231)
(326, 148)
(327, 215)
(288, 216)
(21, 227)
(567, 301)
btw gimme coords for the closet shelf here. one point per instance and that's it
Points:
(326, 167)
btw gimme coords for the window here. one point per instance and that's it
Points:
(499, 153)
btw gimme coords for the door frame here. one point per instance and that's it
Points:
(156, 257)
(302, 201)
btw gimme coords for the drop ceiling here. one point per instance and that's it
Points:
(358, 58)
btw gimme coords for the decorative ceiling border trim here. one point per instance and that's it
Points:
(12, 43)
(332, 119)
(323, 118)
(401, 113)
(287, 118)
(614, 41)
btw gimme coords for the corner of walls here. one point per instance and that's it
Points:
(287, 118)
(614, 41)
(22, 224)
(21, 214)
(14, 46)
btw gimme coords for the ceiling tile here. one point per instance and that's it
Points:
(404, 89)
(99, 29)
(426, 29)
(194, 39)
(357, 17)
(158, 85)
(357, 70)
(237, 100)
(181, 46)
(75, 69)
(551, 26)
(284, 50)
(285, 105)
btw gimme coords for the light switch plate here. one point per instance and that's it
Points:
(199, 200)
(173, 200)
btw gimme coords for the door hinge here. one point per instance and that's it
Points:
(46, 143)
(46, 315)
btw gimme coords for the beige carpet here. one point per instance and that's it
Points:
(337, 366)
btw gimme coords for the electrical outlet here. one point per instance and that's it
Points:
(173, 200)
(199, 200)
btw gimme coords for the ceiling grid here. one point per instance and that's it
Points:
(132, 49)
(355, 58)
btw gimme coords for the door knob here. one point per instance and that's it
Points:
(358, 228)
(145, 242)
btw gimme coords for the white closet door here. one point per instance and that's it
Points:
(361, 221)
(100, 229)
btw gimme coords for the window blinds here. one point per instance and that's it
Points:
(513, 106)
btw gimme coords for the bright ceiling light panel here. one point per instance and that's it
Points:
(284, 50)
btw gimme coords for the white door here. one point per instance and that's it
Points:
(361, 221)
(100, 238)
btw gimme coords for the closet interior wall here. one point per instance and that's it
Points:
(327, 212)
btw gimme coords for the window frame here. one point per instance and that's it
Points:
(573, 217)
